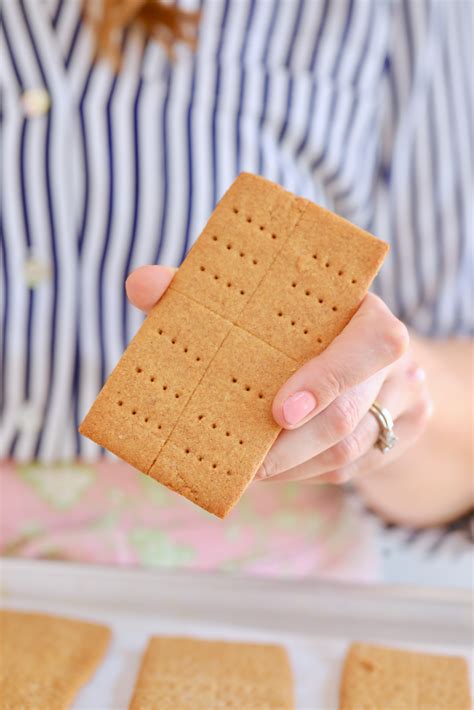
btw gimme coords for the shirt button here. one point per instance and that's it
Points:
(35, 272)
(35, 102)
(29, 418)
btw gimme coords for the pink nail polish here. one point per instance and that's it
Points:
(298, 406)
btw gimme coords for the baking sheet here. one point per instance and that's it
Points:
(315, 621)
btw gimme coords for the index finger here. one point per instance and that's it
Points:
(372, 340)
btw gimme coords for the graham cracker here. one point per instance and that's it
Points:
(237, 247)
(315, 285)
(45, 660)
(148, 390)
(378, 677)
(269, 283)
(191, 674)
(213, 452)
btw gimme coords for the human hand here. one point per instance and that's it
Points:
(329, 433)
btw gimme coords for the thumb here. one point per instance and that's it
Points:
(146, 285)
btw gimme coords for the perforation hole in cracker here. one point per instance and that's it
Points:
(216, 674)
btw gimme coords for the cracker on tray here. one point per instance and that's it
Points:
(45, 660)
(379, 677)
(192, 674)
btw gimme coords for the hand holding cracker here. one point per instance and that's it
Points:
(324, 406)
(271, 282)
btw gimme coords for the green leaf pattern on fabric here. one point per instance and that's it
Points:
(155, 548)
(156, 493)
(61, 485)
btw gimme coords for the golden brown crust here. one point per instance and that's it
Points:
(189, 674)
(376, 677)
(45, 660)
(213, 451)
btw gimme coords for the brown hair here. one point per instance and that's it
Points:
(157, 20)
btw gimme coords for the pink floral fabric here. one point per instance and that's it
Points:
(108, 513)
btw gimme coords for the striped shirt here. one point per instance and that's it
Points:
(364, 106)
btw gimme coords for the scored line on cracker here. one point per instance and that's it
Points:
(281, 243)
(273, 277)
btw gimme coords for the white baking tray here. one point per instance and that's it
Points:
(315, 621)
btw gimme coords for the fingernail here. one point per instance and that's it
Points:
(417, 374)
(298, 406)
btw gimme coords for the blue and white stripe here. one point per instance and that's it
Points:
(365, 106)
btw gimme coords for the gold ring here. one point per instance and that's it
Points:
(387, 439)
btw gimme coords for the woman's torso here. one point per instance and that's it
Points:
(338, 101)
